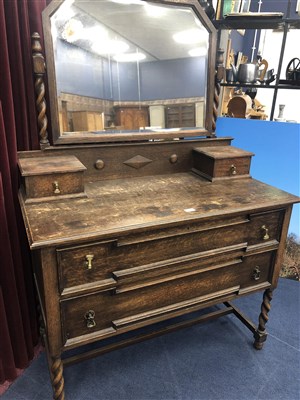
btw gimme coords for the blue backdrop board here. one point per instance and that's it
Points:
(277, 153)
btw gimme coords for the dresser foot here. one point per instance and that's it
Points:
(260, 335)
(57, 379)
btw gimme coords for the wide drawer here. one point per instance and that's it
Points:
(109, 312)
(100, 265)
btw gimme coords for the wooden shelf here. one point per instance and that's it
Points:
(256, 23)
(283, 83)
(248, 85)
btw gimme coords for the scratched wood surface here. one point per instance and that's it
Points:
(223, 152)
(116, 206)
(37, 166)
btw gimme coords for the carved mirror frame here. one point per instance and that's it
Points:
(211, 100)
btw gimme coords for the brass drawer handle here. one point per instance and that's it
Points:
(89, 316)
(256, 274)
(233, 169)
(265, 232)
(89, 258)
(56, 189)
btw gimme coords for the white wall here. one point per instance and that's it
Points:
(270, 45)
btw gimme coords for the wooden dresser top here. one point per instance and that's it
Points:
(118, 206)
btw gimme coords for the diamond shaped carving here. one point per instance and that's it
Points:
(137, 162)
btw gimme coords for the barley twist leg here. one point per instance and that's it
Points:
(260, 335)
(57, 379)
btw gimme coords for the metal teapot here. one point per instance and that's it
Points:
(249, 72)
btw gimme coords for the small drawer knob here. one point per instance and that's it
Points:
(265, 232)
(233, 169)
(89, 261)
(99, 164)
(89, 317)
(173, 158)
(256, 274)
(56, 189)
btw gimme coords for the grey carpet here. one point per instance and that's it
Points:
(211, 361)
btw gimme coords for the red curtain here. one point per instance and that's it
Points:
(18, 131)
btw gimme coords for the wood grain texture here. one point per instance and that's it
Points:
(52, 165)
(47, 185)
(146, 203)
(221, 162)
(48, 178)
(113, 156)
(145, 299)
(146, 249)
(223, 152)
(162, 253)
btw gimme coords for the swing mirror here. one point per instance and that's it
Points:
(125, 70)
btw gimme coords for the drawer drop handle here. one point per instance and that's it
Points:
(256, 274)
(233, 169)
(265, 232)
(89, 259)
(89, 316)
(56, 188)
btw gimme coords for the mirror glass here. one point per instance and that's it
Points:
(128, 66)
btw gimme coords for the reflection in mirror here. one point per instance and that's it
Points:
(129, 65)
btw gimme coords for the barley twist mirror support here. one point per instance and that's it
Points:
(220, 71)
(39, 69)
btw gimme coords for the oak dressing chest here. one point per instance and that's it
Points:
(129, 229)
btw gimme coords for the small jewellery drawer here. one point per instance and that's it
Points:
(52, 177)
(221, 162)
(109, 312)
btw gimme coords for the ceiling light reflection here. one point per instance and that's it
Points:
(72, 30)
(129, 57)
(110, 47)
(190, 36)
(94, 34)
(198, 52)
(155, 11)
(128, 2)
